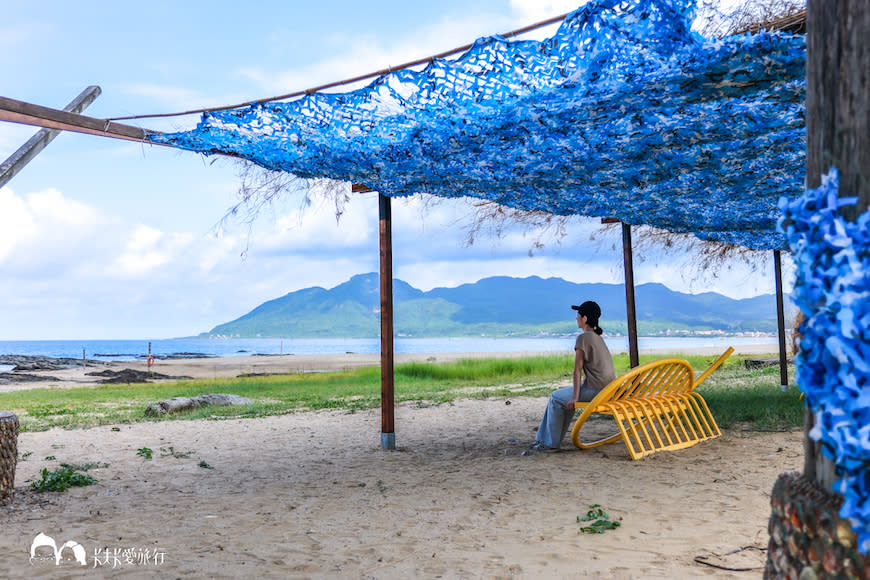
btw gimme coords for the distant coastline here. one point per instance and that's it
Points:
(121, 350)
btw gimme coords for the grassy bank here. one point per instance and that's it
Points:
(735, 395)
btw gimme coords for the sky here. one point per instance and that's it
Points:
(105, 239)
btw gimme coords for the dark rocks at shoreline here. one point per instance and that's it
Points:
(760, 363)
(45, 363)
(9, 378)
(127, 376)
(175, 355)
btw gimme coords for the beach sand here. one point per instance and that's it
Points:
(313, 495)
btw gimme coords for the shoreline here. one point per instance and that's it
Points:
(124, 350)
(214, 367)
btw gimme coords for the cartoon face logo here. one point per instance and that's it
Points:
(47, 542)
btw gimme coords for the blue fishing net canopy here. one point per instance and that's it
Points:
(625, 113)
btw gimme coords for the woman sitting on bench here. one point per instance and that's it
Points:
(591, 358)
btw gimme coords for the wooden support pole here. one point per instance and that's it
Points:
(388, 434)
(780, 319)
(630, 308)
(30, 114)
(43, 137)
(838, 131)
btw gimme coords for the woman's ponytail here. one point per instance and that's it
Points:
(592, 312)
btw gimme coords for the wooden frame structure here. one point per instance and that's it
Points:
(15, 111)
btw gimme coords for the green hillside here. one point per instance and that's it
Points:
(498, 306)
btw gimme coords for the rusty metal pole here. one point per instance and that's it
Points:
(780, 319)
(388, 434)
(630, 309)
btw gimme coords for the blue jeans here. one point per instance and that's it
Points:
(557, 417)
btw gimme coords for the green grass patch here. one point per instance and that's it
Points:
(754, 397)
(735, 394)
(61, 479)
(597, 521)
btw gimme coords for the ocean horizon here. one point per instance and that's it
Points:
(126, 350)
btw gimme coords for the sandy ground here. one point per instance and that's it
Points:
(313, 495)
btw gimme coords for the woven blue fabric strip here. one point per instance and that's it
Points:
(832, 257)
(624, 112)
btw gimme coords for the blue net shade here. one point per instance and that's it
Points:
(832, 257)
(624, 112)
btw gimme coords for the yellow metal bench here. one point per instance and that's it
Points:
(655, 407)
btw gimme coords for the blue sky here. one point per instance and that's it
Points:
(101, 238)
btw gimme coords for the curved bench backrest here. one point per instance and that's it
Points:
(670, 375)
(653, 378)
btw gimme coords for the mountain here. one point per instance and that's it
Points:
(497, 306)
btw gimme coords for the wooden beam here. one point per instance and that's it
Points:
(43, 137)
(388, 432)
(15, 111)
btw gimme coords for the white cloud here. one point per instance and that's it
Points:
(318, 227)
(16, 222)
(428, 275)
(536, 10)
(146, 250)
(176, 96)
(41, 227)
(365, 54)
(72, 272)
(52, 207)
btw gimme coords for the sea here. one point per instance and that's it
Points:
(127, 350)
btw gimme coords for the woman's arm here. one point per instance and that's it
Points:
(579, 359)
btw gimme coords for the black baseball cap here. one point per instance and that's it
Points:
(587, 308)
